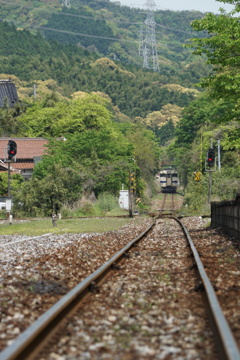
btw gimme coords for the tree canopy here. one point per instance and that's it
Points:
(222, 49)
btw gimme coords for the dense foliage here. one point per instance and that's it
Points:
(213, 118)
(222, 48)
(88, 154)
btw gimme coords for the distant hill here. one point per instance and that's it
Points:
(105, 27)
(93, 46)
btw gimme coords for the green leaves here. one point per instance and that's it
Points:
(222, 48)
(67, 117)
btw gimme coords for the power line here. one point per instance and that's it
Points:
(90, 36)
(101, 19)
(15, 4)
(81, 34)
(84, 35)
(126, 22)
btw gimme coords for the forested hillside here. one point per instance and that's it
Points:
(111, 30)
(91, 30)
(32, 58)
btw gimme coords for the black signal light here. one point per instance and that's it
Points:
(210, 157)
(12, 149)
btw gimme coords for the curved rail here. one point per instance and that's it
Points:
(226, 343)
(28, 342)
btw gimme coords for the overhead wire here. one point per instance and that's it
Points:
(84, 35)
(102, 19)
(90, 36)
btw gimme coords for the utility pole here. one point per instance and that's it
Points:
(130, 197)
(11, 151)
(140, 52)
(210, 167)
(34, 91)
(148, 45)
(219, 156)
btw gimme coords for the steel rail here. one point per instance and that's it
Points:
(227, 346)
(35, 334)
(173, 205)
(163, 203)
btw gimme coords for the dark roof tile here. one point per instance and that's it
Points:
(8, 91)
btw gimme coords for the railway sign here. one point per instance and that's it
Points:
(8, 205)
(197, 175)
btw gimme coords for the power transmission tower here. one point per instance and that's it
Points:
(66, 3)
(148, 45)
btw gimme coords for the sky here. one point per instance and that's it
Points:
(178, 5)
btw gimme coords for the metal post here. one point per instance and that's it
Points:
(219, 156)
(130, 197)
(9, 179)
(54, 220)
(209, 186)
(9, 194)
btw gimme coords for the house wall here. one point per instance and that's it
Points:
(27, 173)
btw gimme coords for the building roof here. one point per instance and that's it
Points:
(8, 91)
(4, 167)
(27, 148)
(23, 165)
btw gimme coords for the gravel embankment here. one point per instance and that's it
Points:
(37, 272)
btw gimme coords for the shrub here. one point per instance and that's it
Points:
(87, 209)
(107, 202)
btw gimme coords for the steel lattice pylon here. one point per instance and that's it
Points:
(66, 3)
(148, 45)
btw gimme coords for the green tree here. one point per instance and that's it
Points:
(53, 117)
(15, 183)
(222, 48)
(46, 195)
(166, 132)
(146, 150)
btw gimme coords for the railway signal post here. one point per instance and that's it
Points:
(11, 151)
(210, 166)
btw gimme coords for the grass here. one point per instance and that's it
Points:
(75, 225)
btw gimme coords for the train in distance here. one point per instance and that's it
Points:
(169, 180)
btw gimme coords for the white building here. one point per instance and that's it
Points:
(124, 199)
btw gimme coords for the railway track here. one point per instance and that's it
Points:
(142, 303)
(168, 204)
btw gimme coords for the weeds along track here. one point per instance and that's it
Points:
(148, 305)
(168, 204)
